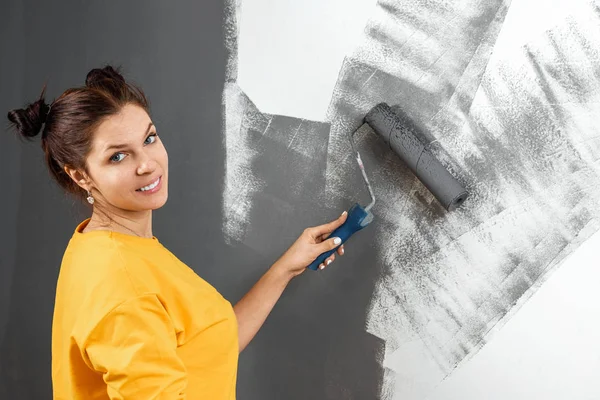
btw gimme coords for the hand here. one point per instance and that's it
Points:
(311, 243)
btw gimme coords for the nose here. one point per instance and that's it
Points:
(147, 165)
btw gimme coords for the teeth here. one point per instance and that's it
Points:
(151, 186)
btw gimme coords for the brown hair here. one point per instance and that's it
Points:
(71, 120)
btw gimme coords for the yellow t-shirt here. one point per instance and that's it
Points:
(131, 321)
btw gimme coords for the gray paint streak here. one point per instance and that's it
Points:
(313, 335)
(521, 142)
(411, 303)
(313, 345)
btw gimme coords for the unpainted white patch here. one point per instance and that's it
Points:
(290, 52)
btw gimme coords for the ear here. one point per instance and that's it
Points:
(79, 177)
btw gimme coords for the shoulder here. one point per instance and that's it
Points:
(96, 256)
(101, 271)
(97, 275)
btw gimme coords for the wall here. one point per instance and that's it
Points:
(507, 94)
(177, 55)
(548, 349)
(254, 101)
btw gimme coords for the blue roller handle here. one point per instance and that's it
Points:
(357, 219)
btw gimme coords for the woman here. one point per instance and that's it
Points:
(131, 321)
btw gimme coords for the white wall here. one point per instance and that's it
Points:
(550, 349)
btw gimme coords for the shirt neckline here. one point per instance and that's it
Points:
(112, 234)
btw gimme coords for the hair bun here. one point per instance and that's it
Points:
(106, 78)
(29, 121)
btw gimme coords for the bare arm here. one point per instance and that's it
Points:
(252, 310)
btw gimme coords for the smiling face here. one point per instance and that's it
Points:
(126, 161)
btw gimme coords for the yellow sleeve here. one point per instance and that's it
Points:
(134, 348)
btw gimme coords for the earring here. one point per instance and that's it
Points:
(90, 198)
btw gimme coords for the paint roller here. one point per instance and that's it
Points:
(415, 154)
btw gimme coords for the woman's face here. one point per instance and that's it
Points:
(126, 161)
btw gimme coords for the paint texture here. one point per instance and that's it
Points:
(521, 139)
(314, 339)
(269, 158)
(428, 59)
(516, 128)
(273, 162)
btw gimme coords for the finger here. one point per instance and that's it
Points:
(329, 244)
(329, 227)
(328, 261)
(340, 250)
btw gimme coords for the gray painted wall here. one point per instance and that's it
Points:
(314, 341)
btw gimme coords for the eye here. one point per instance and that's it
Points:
(112, 159)
(153, 136)
(117, 157)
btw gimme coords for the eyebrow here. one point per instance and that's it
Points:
(123, 146)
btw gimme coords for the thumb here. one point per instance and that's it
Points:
(330, 226)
